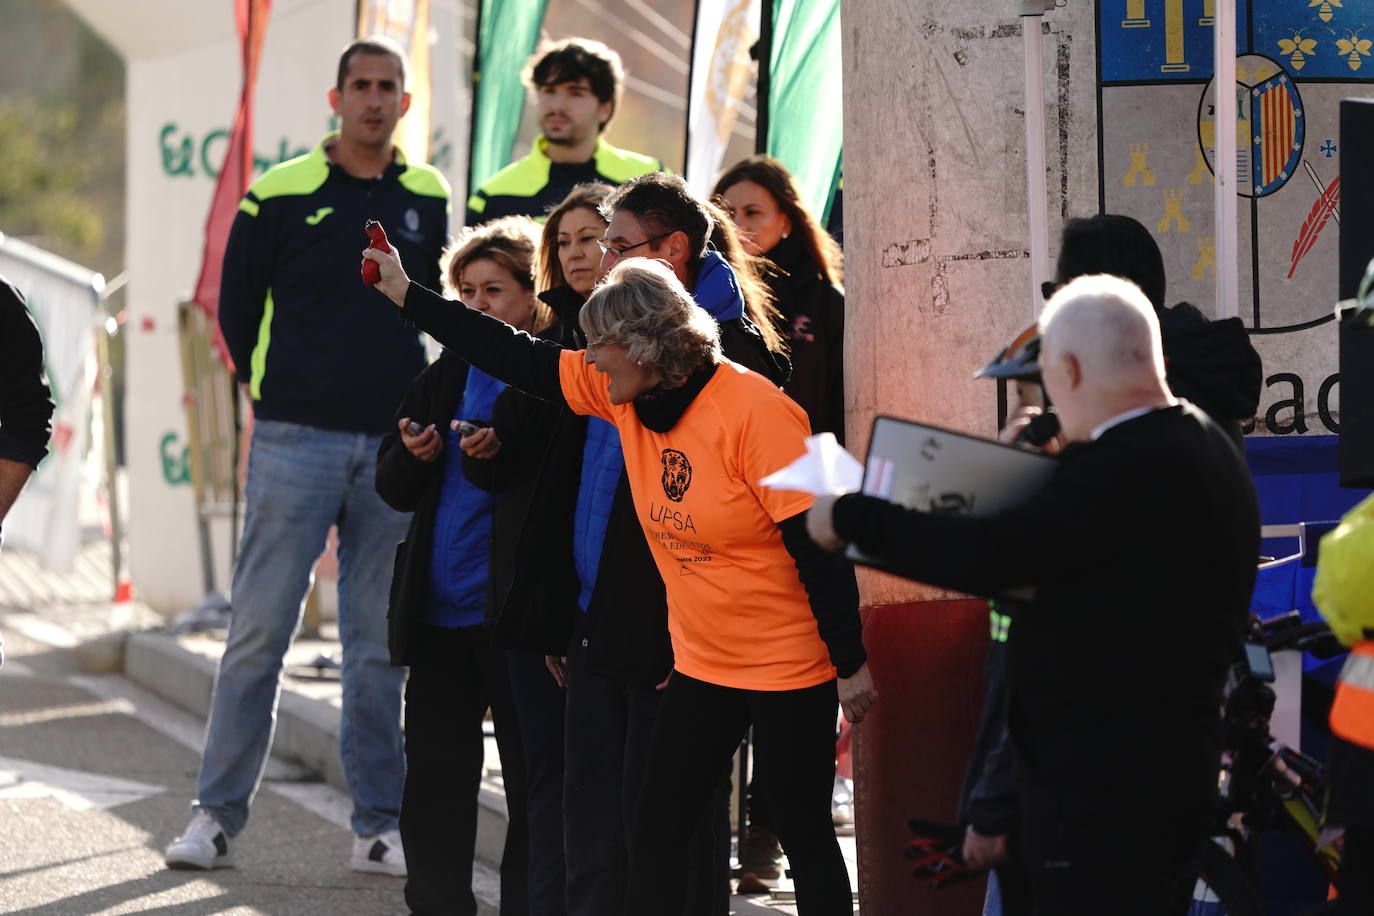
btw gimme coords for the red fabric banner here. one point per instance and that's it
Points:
(237, 170)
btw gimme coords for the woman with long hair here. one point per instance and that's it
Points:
(805, 278)
(569, 257)
(802, 269)
(439, 589)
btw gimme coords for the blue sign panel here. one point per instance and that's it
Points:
(1325, 39)
(1156, 40)
(1147, 41)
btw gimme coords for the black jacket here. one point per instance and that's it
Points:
(532, 612)
(1212, 364)
(407, 484)
(538, 471)
(299, 322)
(25, 402)
(1142, 548)
(813, 325)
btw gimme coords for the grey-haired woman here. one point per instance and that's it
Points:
(698, 433)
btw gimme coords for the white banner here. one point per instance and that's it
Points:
(721, 68)
(65, 302)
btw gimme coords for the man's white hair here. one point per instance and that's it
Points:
(1106, 323)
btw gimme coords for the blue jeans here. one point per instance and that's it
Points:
(301, 480)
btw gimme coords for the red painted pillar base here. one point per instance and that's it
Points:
(909, 754)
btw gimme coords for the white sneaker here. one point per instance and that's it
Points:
(842, 802)
(204, 845)
(381, 854)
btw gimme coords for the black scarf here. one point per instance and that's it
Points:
(660, 408)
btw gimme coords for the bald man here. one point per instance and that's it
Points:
(1142, 551)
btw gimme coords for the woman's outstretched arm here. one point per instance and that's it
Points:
(521, 361)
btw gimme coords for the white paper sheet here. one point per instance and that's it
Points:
(825, 470)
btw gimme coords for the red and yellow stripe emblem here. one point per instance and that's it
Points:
(1278, 132)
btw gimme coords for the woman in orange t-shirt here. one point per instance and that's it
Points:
(698, 433)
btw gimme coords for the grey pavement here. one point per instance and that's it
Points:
(101, 725)
(95, 777)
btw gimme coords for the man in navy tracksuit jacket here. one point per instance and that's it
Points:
(325, 369)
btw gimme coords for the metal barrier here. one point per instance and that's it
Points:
(212, 425)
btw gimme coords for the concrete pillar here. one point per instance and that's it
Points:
(937, 280)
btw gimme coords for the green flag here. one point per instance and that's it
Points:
(806, 98)
(505, 40)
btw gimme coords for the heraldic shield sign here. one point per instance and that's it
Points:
(1276, 114)
(1270, 126)
(1296, 59)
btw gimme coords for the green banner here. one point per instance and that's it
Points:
(506, 38)
(806, 97)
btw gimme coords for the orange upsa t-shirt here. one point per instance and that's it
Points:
(737, 612)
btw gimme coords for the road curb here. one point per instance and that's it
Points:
(307, 734)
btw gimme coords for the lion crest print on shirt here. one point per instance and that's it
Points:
(677, 474)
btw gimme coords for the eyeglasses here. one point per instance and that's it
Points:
(601, 341)
(620, 252)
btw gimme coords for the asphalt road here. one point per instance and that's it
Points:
(96, 777)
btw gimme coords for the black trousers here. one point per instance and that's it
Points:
(455, 676)
(608, 733)
(699, 726)
(1014, 887)
(760, 818)
(1124, 858)
(539, 708)
(1356, 879)
(1350, 769)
